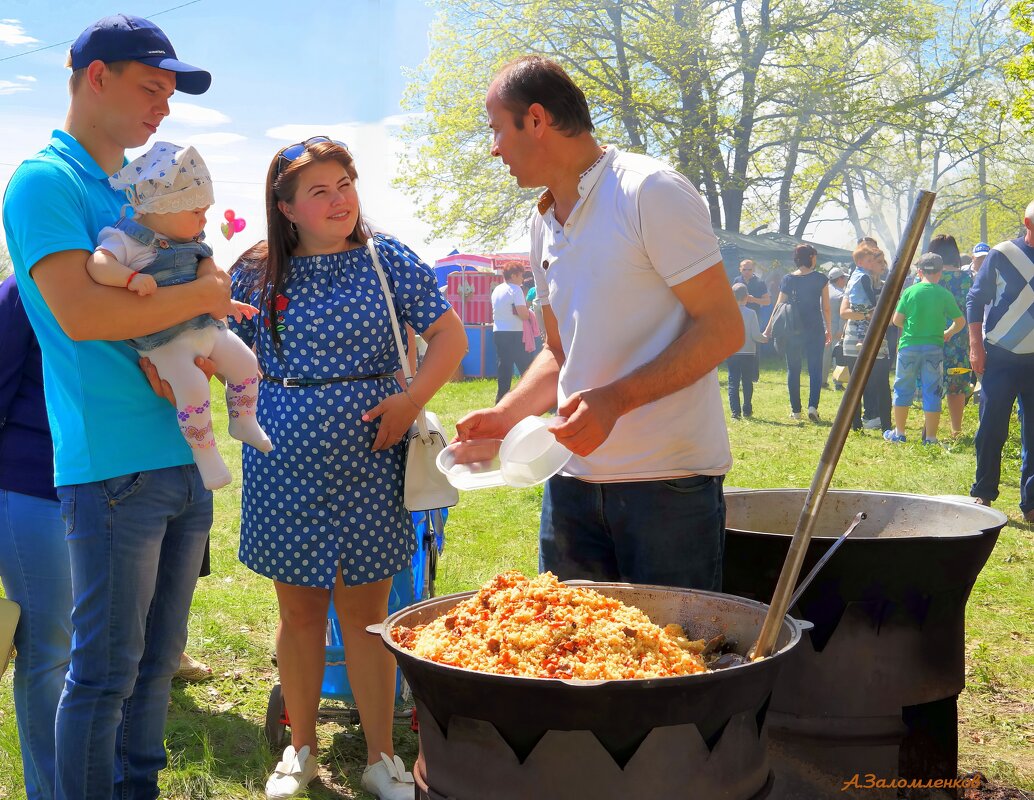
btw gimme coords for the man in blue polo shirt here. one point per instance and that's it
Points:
(136, 512)
(1001, 348)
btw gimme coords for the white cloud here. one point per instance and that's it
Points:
(26, 78)
(195, 116)
(11, 87)
(215, 139)
(398, 120)
(297, 132)
(13, 34)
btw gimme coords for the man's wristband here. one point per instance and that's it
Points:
(131, 278)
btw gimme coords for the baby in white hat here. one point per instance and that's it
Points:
(161, 244)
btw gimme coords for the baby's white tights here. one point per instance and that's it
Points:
(235, 361)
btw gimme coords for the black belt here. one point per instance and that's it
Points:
(297, 382)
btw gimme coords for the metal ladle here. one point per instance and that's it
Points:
(781, 598)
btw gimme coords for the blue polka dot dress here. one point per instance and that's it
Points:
(323, 498)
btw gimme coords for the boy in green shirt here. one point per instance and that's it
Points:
(920, 314)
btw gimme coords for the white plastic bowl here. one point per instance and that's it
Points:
(530, 454)
(473, 464)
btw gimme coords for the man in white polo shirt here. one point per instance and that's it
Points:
(638, 314)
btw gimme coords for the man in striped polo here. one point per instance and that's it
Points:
(1002, 348)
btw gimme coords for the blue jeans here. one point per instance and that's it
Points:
(665, 532)
(875, 393)
(135, 543)
(1005, 379)
(741, 372)
(509, 354)
(35, 574)
(925, 363)
(809, 345)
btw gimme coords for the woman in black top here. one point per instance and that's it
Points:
(808, 290)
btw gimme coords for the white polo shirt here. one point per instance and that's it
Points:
(506, 297)
(638, 229)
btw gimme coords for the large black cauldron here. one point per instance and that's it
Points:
(873, 687)
(494, 737)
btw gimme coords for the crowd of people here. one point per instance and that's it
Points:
(964, 328)
(832, 311)
(114, 533)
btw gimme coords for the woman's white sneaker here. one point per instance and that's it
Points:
(388, 779)
(294, 772)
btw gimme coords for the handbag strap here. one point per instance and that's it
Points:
(421, 418)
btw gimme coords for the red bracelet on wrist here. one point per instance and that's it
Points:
(131, 278)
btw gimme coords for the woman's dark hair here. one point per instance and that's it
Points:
(270, 260)
(802, 255)
(944, 245)
(534, 79)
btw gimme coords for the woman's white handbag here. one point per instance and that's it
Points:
(425, 487)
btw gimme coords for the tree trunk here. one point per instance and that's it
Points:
(751, 56)
(786, 184)
(982, 179)
(629, 118)
(852, 207)
(835, 169)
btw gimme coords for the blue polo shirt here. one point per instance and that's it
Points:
(104, 417)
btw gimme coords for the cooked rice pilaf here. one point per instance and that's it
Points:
(544, 629)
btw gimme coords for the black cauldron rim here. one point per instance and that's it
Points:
(619, 713)
(996, 518)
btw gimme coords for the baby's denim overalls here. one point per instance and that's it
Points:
(174, 263)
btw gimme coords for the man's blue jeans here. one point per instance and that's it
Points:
(135, 544)
(1005, 379)
(666, 532)
(34, 570)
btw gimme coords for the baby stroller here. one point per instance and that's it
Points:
(413, 584)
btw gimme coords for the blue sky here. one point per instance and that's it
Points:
(281, 72)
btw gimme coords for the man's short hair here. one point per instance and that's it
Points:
(534, 79)
(77, 74)
(748, 262)
(739, 291)
(1029, 213)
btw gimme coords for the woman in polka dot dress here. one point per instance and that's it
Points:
(324, 509)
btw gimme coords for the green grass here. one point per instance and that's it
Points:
(214, 734)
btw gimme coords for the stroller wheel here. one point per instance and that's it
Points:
(276, 720)
(431, 570)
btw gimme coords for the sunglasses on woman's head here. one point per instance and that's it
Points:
(290, 153)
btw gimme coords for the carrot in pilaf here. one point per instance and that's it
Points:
(544, 629)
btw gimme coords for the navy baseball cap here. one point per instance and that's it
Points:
(123, 37)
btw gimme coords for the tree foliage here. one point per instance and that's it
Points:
(6, 267)
(772, 108)
(1021, 69)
